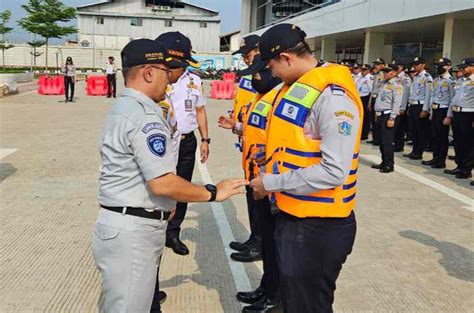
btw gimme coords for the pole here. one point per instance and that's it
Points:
(93, 41)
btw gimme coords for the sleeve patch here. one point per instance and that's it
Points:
(150, 126)
(157, 144)
(345, 128)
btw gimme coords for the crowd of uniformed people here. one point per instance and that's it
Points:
(299, 122)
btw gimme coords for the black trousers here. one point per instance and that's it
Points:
(401, 132)
(463, 133)
(366, 122)
(252, 209)
(111, 84)
(421, 131)
(386, 139)
(69, 84)
(440, 135)
(310, 254)
(373, 124)
(184, 169)
(155, 304)
(270, 281)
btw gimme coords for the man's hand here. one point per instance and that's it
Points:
(424, 114)
(447, 121)
(230, 187)
(259, 191)
(261, 160)
(390, 122)
(204, 151)
(173, 213)
(226, 122)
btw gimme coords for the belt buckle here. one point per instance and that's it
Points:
(378, 114)
(435, 106)
(183, 136)
(456, 108)
(149, 210)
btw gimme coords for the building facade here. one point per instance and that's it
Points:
(113, 23)
(362, 30)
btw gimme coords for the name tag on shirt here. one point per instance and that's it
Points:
(188, 105)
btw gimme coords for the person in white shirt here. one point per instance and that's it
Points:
(364, 87)
(110, 70)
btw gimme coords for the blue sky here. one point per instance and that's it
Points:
(229, 11)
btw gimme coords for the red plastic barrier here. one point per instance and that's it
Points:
(229, 76)
(51, 85)
(222, 89)
(96, 86)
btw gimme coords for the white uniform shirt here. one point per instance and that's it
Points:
(110, 68)
(185, 96)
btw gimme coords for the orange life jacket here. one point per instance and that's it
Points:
(245, 94)
(289, 149)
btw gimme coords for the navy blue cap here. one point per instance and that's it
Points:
(443, 62)
(145, 51)
(278, 39)
(390, 67)
(397, 63)
(178, 47)
(247, 44)
(379, 61)
(466, 62)
(418, 60)
(366, 67)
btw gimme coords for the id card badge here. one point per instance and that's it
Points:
(188, 105)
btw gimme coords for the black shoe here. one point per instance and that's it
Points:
(375, 143)
(240, 246)
(108, 96)
(454, 171)
(386, 169)
(377, 166)
(438, 165)
(162, 296)
(471, 183)
(364, 138)
(408, 155)
(415, 157)
(410, 143)
(398, 149)
(67, 100)
(430, 162)
(177, 245)
(71, 100)
(251, 297)
(451, 157)
(264, 305)
(428, 149)
(252, 254)
(369, 141)
(115, 96)
(464, 175)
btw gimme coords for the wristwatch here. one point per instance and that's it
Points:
(208, 140)
(213, 190)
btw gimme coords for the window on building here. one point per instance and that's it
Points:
(203, 24)
(168, 23)
(135, 21)
(100, 20)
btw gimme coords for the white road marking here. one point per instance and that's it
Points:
(452, 193)
(6, 152)
(241, 280)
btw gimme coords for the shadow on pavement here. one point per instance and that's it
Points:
(458, 261)
(6, 170)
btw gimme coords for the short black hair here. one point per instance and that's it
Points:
(300, 49)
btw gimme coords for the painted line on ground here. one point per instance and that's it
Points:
(426, 181)
(239, 274)
(6, 152)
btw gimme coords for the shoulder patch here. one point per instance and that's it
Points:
(344, 114)
(336, 90)
(150, 126)
(157, 144)
(345, 128)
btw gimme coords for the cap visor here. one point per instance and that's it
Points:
(242, 51)
(175, 63)
(192, 62)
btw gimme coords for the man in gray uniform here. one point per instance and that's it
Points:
(379, 64)
(387, 109)
(419, 112)
(138, 185)
(443, 92)
(401, 130)
(461, 112)
(303, 244)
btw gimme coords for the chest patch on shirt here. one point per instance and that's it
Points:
(150, 126)
(157, 144)
(343, 114)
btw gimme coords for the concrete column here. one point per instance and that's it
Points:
(387, 53)
(458, 39)
(328, 49)
(253, 15)
(245, 17)
(374, 46)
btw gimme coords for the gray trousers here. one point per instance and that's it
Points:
(127, 250)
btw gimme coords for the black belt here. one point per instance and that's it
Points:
(140, 212)
(187, 136)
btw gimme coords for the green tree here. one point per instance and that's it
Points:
(4, 29)
(35, 44)
(44, 17)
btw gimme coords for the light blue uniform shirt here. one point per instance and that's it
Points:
(420, 91)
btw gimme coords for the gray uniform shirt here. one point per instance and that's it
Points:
(378, 82)
(421, 89)
(136, 147)
(443, 90)
(405, 80)
(390, 97)
(364, 85)
(463, 94)
(330, 110)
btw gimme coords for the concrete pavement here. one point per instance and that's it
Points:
(413, 251)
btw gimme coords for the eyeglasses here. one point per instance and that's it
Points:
(168, 71)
